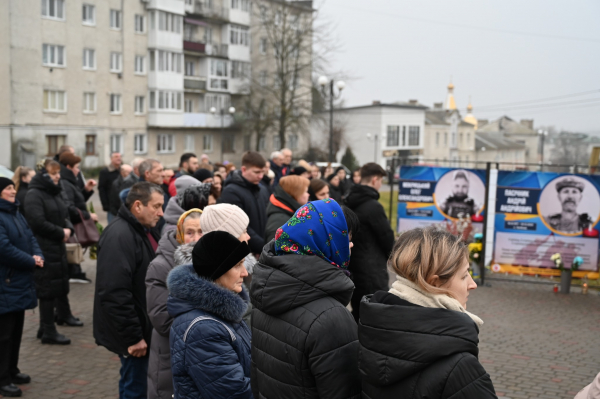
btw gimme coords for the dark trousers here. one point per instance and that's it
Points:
(134, 377)
(11, 331)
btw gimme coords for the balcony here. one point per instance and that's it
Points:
(194, 46)
(194, 84)
(202, 9)
(218, 50)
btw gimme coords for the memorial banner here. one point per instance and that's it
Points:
(430, 195)
(539, 214)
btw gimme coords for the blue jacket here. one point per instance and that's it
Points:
(18, 245)
(210, 343)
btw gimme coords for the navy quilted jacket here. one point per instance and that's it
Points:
(210, 343)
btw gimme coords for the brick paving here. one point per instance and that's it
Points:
(534, 344)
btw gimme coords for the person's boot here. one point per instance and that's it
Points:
(51, 336)
(40, 332)
(71, 321)
(21, 379)
(10, 391)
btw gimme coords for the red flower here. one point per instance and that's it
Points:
(294, 247)
(278, 233)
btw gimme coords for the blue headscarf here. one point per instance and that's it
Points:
(317, 228)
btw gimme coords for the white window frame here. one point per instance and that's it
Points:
(165, 143)
(116, 104)
(168, 61)
(140, 143)
(88, 14)
(87, 65)
(52, 51)
(140, 65)
(58, 5)
(262, 46)
(239, 35)
(56, 94)
(140, 22)
(166, 100)
(207, 143)
(116, 143)
(411, 131)
(262, 78)
(169, 22)
(116, 19)
(190, 143)
(140, 105)
(393, 136)
(116, 58)
(219, 75)
(89, 98)
(188, 106)
(190, 68)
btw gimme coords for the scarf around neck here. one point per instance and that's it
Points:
(317, 228)
(409, 291)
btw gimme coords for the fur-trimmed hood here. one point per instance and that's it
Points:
(183, 254)
(188, 291)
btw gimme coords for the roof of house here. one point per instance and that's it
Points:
(507, 126)
(382, 105)
(495, 141)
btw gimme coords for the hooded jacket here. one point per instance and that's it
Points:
(171, 216)
(304, 340)
(282, 207)
(373, 244)
(47, 216)
(210, 343)
(17, 289)
(409, 351)
(74, 197)
(253, 199)
(124, 253)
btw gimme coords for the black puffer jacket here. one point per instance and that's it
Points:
(74, 197)
(47, 215)
(282, 207)
(372, 244)
(304, 340)
(409, 352)
(253, 199)
(124, 253)
(21, 193)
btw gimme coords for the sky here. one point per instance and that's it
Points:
(504, 55)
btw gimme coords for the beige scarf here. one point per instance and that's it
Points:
(412, 293)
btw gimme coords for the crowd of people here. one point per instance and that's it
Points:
(267, 281)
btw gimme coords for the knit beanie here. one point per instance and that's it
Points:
(68, 159)
(294, 185)
(5, 182)
(216, 253)
(203, 174)
(224, 217)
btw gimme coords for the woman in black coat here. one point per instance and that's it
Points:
(48, 218)
(418, 340)
(304, 340)
(20, 255)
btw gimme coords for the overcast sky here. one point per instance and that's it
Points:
(398, 50)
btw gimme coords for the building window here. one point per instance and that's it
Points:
(276, 143)
(165, 143)
(53, 55)
(293, 141)
(166, 100)
(262, 144)
(116, 62)
(89, 14)
(217, 101)
(240, 70)
(262, 47)
(168, 61)
(115, 19)
(53, 9)
(207, 142)
(55, 101)
(53, 143)
(189, 68)
(208, 35)
(413, 136)
(140, 143)
(116, 143)
(262, 78)
(393, 136)
(239, 35)
(219, 75)
(89, 59)
(140, 64)
(446, 138)
(115, 105)
(247, 142)
(167, 21)
(140, 106)
(460, 138)
(188, 106)
(140, 23)
(190, 145)
(90, 144)
(468, 138)
(228, 142)
(89, 103)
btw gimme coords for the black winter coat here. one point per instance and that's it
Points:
(253, 199)
(373, 244)
(282, 207)
(124, 253)
(74, 197)
(105, 181)
(21, 193)
(304, 340)
(48, 215)
(409, 351)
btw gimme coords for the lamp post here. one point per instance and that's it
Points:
(542, 134)
(324, 81)
(213, 111)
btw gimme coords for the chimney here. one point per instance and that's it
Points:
(376, 102)
(527, 122)
(413, 102)
(438, 106)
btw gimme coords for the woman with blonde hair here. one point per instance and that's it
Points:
(21, 178)
(418, 340)
(288, 196)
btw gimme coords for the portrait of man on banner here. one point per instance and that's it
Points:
(575, 196)
(454, 189)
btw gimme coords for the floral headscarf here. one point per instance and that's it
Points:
(180, 233)
(317, 228)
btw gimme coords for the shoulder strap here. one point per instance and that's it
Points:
(201, 318)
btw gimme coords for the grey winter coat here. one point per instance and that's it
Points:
(160, 378)
(171, 216)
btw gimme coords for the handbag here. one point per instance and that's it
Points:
(86, 234)
(74, 253)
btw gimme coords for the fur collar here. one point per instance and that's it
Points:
(186, 285)
(183, 254)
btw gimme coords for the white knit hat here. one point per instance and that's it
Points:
(224, 217)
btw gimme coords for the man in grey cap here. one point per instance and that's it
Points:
(570, 191)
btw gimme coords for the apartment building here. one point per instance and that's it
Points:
(73, 72)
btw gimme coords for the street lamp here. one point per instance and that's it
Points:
(323, 81)
(542, 133)
(213, 111)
